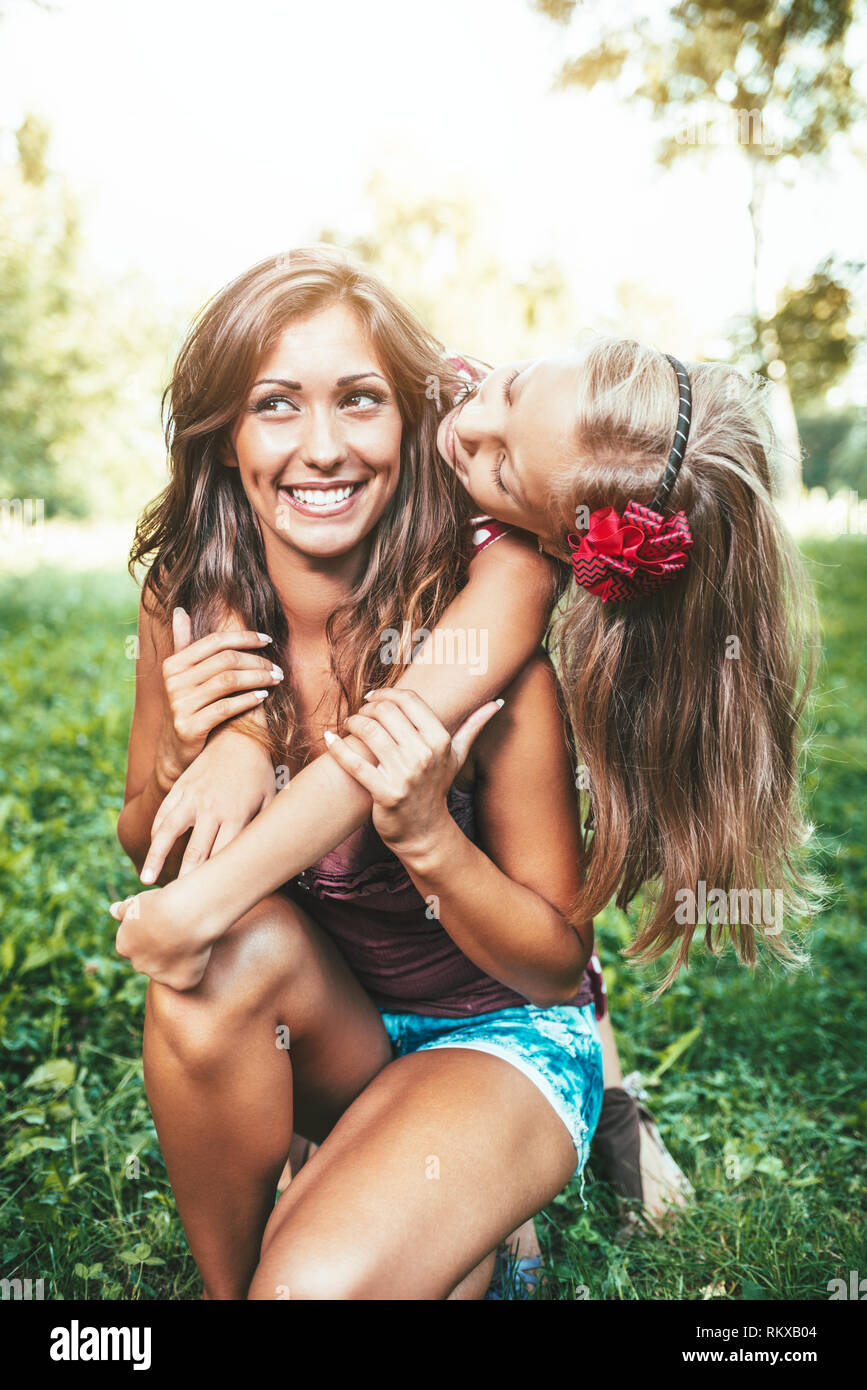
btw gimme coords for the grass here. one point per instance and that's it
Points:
(764, 1106)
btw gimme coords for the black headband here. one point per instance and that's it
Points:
(681, 434)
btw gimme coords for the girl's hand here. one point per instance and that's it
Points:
(228, 784)
(155, 939)
(417, 763)
(201, 685)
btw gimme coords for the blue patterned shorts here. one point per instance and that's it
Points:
(558, 1049)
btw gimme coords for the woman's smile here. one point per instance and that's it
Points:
(318, 445)
(322, 500)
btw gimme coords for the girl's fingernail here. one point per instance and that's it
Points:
(329, 736)
(260, 694)
(499, 703)
(276, 673)
(147, 875)
(263, 637)
(369, 693)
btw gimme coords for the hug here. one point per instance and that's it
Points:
(375, 930)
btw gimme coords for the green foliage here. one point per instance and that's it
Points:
(81, 363)
(809, 335)
(835, 450)
(40, 357)
(434, 253)
(785, 63)
(760, 1078)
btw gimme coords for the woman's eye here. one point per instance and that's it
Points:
(363, 398)
(498, 471)
(275, 405)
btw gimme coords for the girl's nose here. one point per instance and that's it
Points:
(470, 426)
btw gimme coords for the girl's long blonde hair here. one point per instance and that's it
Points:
(202, 538)
(685, 704)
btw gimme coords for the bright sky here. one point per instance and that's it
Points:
(201, 135)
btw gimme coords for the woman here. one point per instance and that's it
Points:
(491, 1092)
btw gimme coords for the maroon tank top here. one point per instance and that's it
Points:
(389, 935)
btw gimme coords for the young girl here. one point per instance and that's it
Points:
(685, 649)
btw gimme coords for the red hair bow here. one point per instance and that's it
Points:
(622, 557)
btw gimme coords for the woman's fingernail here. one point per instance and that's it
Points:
(329, 736)
(147, 875)
(263, 637)
(260, 694)
(276, 673)
(369, 693)
(499, 703)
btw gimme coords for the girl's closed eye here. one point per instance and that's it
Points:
(498, 475)
(507, 385)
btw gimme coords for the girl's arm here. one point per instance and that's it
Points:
(506, 603)
(484, 638)
(505, 902)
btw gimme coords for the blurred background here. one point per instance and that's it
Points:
(525, 174)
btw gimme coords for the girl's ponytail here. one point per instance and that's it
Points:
(685, 699)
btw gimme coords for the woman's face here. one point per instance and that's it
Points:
(509, 441)
(318, 440)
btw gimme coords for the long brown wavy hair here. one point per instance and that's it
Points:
(201, 537)
(685, 704)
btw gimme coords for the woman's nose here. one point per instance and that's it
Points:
(323, 444)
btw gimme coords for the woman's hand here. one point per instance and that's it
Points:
(228, 784)
(417, 763)
(204, 684)
(159, 935)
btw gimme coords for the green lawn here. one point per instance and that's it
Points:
(765, 1108)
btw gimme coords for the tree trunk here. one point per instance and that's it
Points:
(788, 476)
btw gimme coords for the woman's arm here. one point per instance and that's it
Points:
(183, 691)
(493, 627)
(504, 902)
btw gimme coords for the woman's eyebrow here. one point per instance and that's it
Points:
(358, 376)
(296, 385)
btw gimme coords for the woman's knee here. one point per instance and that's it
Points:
(313, 1270)
(253, 964)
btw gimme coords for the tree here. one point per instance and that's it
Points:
(39, 355)
(81, 363)
(810, 332)
(433, 251)
(773, 77)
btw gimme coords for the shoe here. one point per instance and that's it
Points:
(629, 1153)
(513, 1279)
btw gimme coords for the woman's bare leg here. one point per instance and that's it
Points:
(443, 1153)
(224, 1087)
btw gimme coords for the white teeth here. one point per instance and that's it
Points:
(321, 497)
